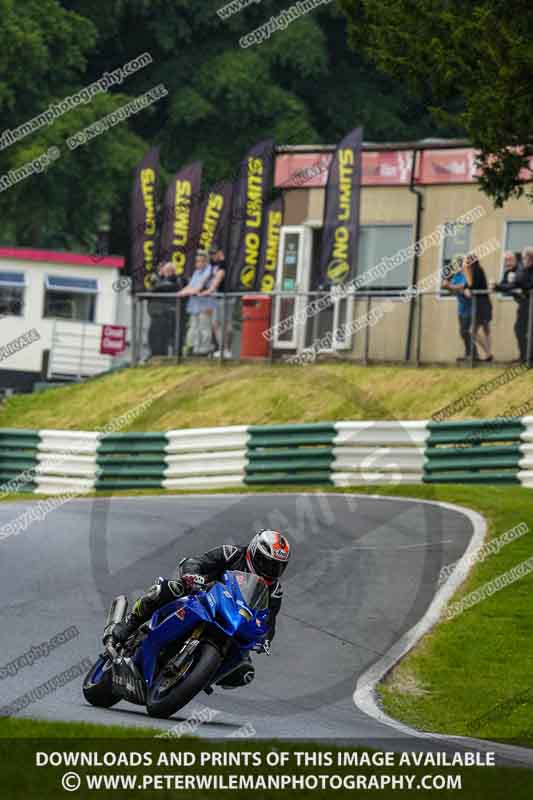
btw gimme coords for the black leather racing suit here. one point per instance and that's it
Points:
(211, 565)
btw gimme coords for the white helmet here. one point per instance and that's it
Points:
(268, 554)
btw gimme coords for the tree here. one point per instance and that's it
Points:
(302, 85)
(476, 55)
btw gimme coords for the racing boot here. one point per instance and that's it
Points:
(158, 595)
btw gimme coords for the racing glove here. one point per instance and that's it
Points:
(193, 583)
(121, 631)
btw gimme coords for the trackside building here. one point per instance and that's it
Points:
(52, 309)
(421, 207)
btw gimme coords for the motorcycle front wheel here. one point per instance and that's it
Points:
(171, 691)
(98, 685)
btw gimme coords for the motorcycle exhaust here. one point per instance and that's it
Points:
(118, 609)
(116, 613)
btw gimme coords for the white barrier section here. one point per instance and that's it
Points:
(66, 461)
(527, 435)
(206, 457)
(525, 476)
(379, 452)
(207, 439)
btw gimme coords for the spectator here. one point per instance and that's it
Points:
(199, 339)
(162, 312)
(524, 285)
(224, 306)
(481, 305)
(457, 284)
(512, 265)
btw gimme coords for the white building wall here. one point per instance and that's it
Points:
(30, 358)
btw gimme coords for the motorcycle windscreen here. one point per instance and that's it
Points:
(253, 589)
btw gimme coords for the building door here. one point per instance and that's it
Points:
(293, 275)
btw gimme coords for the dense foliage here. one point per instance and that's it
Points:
(303, 85)
(478, 53)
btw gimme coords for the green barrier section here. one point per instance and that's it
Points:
(464, 464)
(113, 485)
(471, 477)
(472, 451)
(474, 437)
(292, 464)
(290, 454)
(307, 479)
(18, 459)
(131, 461)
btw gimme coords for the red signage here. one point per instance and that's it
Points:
(384, 168)
(113, 340)
(310, 170)
(448, 166)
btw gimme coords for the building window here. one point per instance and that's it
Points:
(455, 246)
(12, 289)
(456, 243)
(379, 242)
(518, 235)
(70, 298)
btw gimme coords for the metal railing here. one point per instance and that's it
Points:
(160, 325)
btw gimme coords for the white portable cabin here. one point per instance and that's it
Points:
(52, 309)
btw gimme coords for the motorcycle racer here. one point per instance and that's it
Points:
(266, 556)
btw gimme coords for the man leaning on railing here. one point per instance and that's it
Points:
(199, 338)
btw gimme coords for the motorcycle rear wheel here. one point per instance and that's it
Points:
(162, 702)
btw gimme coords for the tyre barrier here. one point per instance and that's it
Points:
(495, 451)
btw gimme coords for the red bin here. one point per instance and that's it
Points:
(256, 314)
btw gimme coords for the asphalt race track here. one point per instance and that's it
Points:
(364, 571)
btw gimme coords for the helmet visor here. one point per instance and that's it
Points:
(267, 566)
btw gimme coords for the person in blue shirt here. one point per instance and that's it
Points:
(199, 339)
(458, 285)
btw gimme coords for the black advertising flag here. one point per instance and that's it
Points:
(341, 215)
(181, 214)
(268, 258)
(143, 224)
(215, 218)
(251, 191)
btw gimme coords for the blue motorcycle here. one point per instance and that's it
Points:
(188, 645)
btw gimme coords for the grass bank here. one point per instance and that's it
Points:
(206, 395)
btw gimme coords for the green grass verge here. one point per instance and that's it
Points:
(207, 395)
(15, 728)
(473, 674)
(24, 739)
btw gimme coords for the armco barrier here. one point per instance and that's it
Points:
(18, 459)
(378, 452)
(525, 475)
(340, 454)
(131, 461)
(284, 454)
(66, 461)
(200, 458)
(474, 451)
